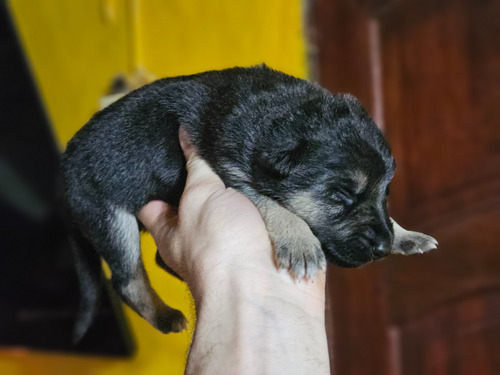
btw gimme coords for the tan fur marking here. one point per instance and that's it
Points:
(296, 247)
(361, 180)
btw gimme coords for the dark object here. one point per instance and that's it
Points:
(39, 295)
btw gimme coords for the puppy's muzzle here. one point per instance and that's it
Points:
(378, 241)
(381, 250)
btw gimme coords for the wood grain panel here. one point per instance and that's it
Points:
(343, 48)
(442, 75)
(439, 90)
(440, 78)
(468, 262)
(356, 315)
(457, 339)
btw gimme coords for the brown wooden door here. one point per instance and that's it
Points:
(429, 70)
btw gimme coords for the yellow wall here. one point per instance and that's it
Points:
(76, 47)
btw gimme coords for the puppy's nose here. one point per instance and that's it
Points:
(381, 250)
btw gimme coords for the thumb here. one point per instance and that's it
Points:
(159, 218)
(199, 172)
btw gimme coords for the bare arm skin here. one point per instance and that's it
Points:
(251, 318)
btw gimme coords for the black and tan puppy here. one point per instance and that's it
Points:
(315, 165)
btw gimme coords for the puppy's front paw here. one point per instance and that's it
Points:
(407, 242)
(296, 248)
(300, 254)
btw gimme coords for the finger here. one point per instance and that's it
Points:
(185, 142)
(159, 218)
(200, 176)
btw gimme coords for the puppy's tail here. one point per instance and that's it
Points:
(89, 271)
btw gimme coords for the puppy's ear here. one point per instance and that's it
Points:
(281, 161)
(407, 242)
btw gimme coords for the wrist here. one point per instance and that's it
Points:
(259, 318)
(256, 280)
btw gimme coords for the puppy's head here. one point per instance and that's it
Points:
(332, 167)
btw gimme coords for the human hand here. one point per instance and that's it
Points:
(251, 317)
(213, 228)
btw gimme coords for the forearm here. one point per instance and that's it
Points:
(253, 322)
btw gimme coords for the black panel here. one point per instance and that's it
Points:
(39, 293)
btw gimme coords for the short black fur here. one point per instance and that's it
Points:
(286, 143)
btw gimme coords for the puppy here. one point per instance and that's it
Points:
(314, 164)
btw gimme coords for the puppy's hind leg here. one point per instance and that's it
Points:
(121, 250)
(408, 242)
(129, 277)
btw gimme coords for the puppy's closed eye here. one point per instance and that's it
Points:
(342, 196)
